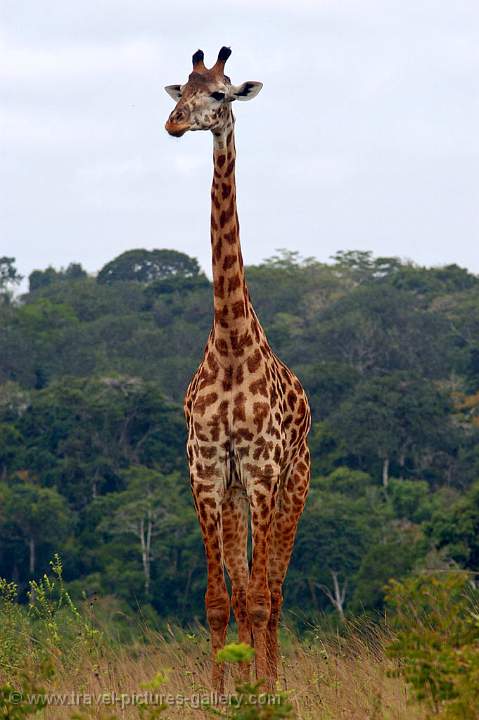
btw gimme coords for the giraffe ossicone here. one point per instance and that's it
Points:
(247, 414)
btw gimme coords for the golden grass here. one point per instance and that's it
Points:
(326, 679)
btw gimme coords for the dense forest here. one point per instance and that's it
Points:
(92, 462)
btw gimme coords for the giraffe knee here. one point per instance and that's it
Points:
(259, 609)
(218, 611)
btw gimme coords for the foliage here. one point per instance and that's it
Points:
(92, 436)
(43, 278)
(13, 628)
(9, 275)
(437, 624)
(49, 602)
(36, 518)
(404, 416)
(235, 653)
(148, 265)
(49, 630)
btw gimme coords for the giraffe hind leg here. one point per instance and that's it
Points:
(290, 503)
(262, 490)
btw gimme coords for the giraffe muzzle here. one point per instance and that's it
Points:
(175, 130)
(177, 124)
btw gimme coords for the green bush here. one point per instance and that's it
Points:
(49, 626)
(14, 629)
(437, 641)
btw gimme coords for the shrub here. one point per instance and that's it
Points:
(437, 643)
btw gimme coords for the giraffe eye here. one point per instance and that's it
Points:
(218, 96)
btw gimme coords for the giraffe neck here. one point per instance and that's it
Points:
(231, 301)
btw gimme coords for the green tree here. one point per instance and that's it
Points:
(394, 417)
(35, 517)
(394, 556)
(376, 329)
(145, 266)
(333, 537)
(455, 529)
(9, 274)
(140, 512)
(359, 266)
(40, 279)
(80, 435)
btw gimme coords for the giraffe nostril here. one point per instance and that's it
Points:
(179, 116)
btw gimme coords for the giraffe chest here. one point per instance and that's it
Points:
(249, 411)
(236, 413)
(232, 435)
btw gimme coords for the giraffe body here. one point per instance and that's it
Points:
(247, 414)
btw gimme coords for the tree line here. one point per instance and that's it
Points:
(92, 375)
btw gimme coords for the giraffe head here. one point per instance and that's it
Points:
(204, 101)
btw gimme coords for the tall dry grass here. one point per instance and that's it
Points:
(327, 679)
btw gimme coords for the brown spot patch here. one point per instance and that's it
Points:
(259, 386)
(260, 410)
(239, 413)
(217, 250)
(301, 412)
(206, 472)
(228, 378)
(238, 309)
(244, 434)
(239, 374)
(220, 287)
(209, 502)
(240, 342)
(222, 346)
(229, 261)
(204, 401)
(234, 283)
(226, 215)
(230, 237)
(254, 361)
(291, 398)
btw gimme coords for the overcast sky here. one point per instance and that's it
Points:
(365, 135)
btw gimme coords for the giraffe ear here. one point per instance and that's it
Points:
(174, 91)
(246, 91)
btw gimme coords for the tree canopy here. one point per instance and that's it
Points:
(92, 464)
(145, 266)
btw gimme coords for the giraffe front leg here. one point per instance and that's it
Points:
(235, 543)
(262, 493)
(209, 510)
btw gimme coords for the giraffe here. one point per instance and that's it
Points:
(247, 414)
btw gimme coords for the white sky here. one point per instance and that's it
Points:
(365, 135)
